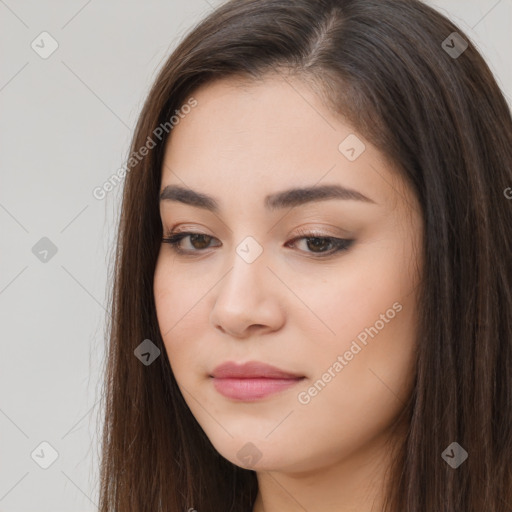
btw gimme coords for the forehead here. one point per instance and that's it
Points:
(233, 113)
(257, 137)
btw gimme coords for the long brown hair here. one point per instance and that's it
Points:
(389, 67)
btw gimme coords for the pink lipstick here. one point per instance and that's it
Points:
(251, 381)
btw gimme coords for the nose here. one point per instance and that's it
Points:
(248, 300)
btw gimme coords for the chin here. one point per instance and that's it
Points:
(261, 454)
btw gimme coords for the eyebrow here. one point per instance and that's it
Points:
(284, 199)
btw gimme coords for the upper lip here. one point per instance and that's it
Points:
(251, 369)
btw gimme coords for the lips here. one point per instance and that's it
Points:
(251, 370)
(251, 381)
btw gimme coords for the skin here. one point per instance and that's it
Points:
(290, 308)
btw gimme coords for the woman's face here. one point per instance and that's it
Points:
(320, 284)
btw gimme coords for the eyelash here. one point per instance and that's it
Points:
(340, 244)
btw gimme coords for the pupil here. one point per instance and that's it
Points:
(318, 242)
(195, 237)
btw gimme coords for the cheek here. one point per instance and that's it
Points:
(178, 293)
(354, 400)
(377, 279)
(178, 310)
(371, 307)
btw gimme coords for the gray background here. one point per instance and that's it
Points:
(65, 127)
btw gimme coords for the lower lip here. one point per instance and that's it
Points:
(252, 389)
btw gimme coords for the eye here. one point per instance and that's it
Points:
(198, 241)
(316, 244)
(321, 245)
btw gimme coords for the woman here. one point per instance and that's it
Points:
(312, 304)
